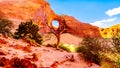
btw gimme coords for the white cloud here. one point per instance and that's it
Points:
(99, 24)
(102, 23)
(113, 11)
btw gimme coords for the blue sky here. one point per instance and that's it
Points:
(101, 13)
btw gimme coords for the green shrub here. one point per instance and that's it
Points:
(116, 40)
(92, 44)
(89, 55)
(116, 43)
(5, 27)
(112, 59)
(68, 47)
(29, 30)
(90, 50)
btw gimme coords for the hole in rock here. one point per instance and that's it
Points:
(55, 24)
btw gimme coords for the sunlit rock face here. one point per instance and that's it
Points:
(41, 13)
(80, 29)
(110, 32)
(23, 10)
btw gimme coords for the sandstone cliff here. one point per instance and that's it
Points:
(80, 29)
(18, 53)
(41, 13)
(23, 10)
(110, 32)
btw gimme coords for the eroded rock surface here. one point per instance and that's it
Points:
(19, 54)
(16, 52)
(23, 10)
(41, 13)
(80, 29)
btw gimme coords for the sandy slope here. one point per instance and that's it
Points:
(65, 38)
(42, 57)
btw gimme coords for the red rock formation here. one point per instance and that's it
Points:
(16, 53)
(22, 10)
(41, 13)
(69, 24)
(25, 9)
(16, 63)
(13, 55)
(81, 29)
